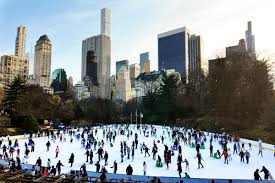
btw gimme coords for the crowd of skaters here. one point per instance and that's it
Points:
(88, 138)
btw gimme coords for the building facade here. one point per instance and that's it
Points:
(144, 62)
(237, 50)
(20, 42)
(250, 41)
(134, 73)
(81, 91)
(59, 80)
(120, 64)
(42, 62)
(101, 45)
(195, 48)
(173, 51)
(123, 89)
(13, 66)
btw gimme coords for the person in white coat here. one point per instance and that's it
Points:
(144, 168)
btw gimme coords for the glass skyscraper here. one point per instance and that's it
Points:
(173, 51)
(144, 61)
(121, 63)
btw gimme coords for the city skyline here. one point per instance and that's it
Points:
(223, 24)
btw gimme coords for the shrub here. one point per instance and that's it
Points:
(30, 124)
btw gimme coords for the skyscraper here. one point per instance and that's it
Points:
(195, 48)
(91, 66)
(144, 62)
(120, 64)
(134, 73)
(105, 21)
(20, 42)
(237, 50)
(59, 80)
(101, 45)
(173, 51)
(30, 57)
(42, 62)
(250, 41)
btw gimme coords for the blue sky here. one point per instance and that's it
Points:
(134, 25)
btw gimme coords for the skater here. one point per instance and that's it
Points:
(53, 171)
(186, 165)
(39, 163)
(144, 168)
(266, 172)
(133, 153)
(106, 158)
(58, 166)
(115, 167)
(129, 170)
(257, 175)
(48, 144)
(242, 156)
(211, 150)
(97, 166)
(91, 156)
(48, 164)
(87, 153)
(100, 152)
(146, 151)
(121, 155)
(179, 168)
(247, 156)
(154, 151)
(199, 160)
(71, 159)
(225, 154)
(186, 176)
(57, 152)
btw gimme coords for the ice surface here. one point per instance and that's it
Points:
(213, 168)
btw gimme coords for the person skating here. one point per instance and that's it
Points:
(211, 150)
(179, 168)
(71, 159)
(129, 170)
(266, 172)
(186, 165)
(97, 166)
(133, 153)
(115, 167)
(106, 158)
(91, 156)
(257, 175)
(247, 156)
(144, 168)
(199, 160)
(146, 149)
(53, 171)
(58, 166)
(154, 151)
(186, 176)
(39, 163)
(179, 158)
(121, 155)
(260, 149)
(48, 144)
(242, 156)
(48, 164)
(225, 154)
(87, 153)
(57, 152)
(100, 152)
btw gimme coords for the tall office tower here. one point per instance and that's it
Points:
(173, 51)
(11, 66)
(120, 64)
(105, 21)
(101, 45)
(250, 41)
(20, 42)
(134, 73)
(42, 62)
(59, 80)
(91, 66)
(70, 82)
(124, 91)
(195, 48)
(30, 57)
(144, 62)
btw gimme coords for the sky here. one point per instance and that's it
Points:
(135, 25)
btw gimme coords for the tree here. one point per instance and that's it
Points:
(15, 93)
(30, 124)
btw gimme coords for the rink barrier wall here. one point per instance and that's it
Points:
(140, 178)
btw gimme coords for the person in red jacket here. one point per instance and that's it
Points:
(225, 154)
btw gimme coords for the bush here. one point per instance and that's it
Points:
(30, 124)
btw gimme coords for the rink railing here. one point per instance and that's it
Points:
(93, 176)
